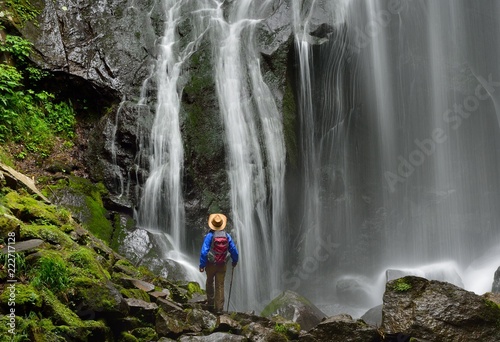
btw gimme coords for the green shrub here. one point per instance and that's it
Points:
(400, 285)
(29, 116)
(52, 273)
(22, 11)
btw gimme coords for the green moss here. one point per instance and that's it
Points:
(120, 229)
(28, 209)
(6, 158)
(59, 312)
(52, 272)
(26, 297)
(135, 293)
(85, 259)
(401, 285)
(127, 337)
(126, 267)
(20, 332)
(91, 211)
(492, 305)
(49, 233)
(194, 287)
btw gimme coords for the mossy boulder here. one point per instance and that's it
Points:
(438, 311)
(28, 209)
(343, 328)
(294, 307)
(49, 233)
(25, 297)
(85, 201)
(8, 223)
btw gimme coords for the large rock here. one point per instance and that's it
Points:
(342, 328)
(215, 337)
(294, 307)
(438, 311)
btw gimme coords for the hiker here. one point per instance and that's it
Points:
(215, 251)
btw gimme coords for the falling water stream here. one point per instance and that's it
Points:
(410, 180)
(399, 142)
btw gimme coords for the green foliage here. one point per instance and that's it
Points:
(22, 11)
(280, 328)
(52, 273)
(30, 117)
(19, 262)
(400, 285)
(19, 47)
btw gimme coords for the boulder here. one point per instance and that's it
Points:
(215, 337)
(226, 324)
(438, 311)
(261, 333)
(294, 307)
(102, 300)
(168, 305)
(342, 328)
(496, 282)
(140, 308)
(373, 316)
(168, 325)
(201, 319)
(24, 246)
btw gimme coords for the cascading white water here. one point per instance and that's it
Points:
(414, 179)
(254, 143)
(398, 123)
(247, 108)
(161, 210)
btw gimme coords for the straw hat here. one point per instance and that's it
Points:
(217, 221)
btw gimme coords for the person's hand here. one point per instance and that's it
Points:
(234, 264)
(202, 269)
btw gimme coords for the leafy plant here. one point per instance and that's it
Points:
(22, 10)
(30, 117)
(400, 285)
(17, 46)
(52, 273)
(20, 263)
(280, 328)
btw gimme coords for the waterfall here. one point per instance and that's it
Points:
(398, 131)
(247, 108)
(405, 174)
(161, 209)
(253, 138)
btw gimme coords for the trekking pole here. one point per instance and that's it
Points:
(230, 287)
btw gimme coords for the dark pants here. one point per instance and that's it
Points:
(215, 296)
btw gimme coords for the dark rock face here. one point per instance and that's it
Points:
(342, 328)
(294, 307)
(496, 282)
(438, 311)
(106, 50)
(105, 43)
